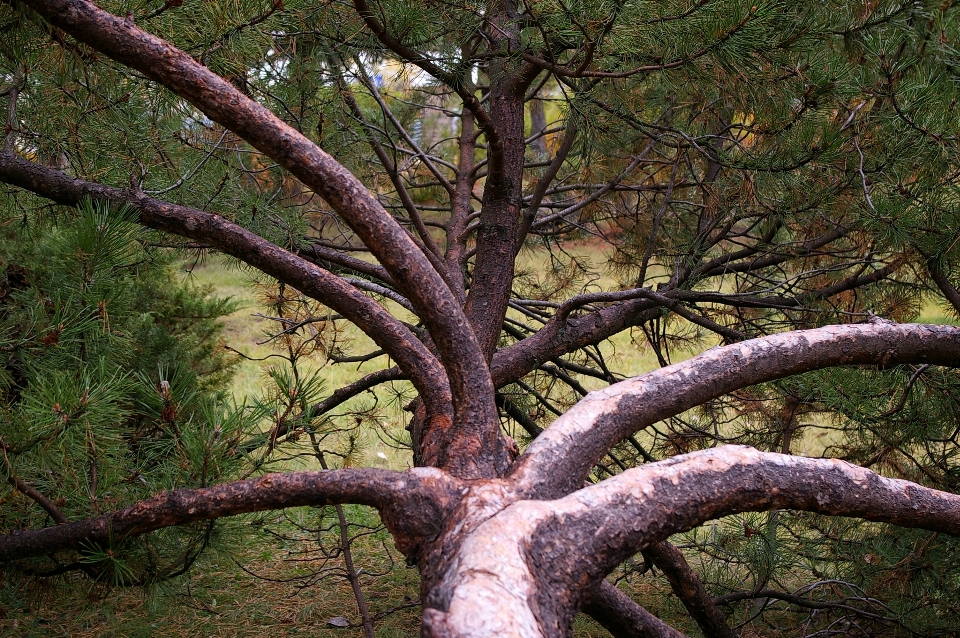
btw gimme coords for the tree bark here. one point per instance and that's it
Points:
(410, 354)
(411, 503)
(688, 587)
(558, 461)
(949, 291)
(482, 452)
(624, 618)
(539, 546)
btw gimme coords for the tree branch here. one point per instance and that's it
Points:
(330, 259)
(559, 460)
(611, 520)
(391, 335)
(460, 84)
(559, 337)
(122, 40)
(390, 168)
(541, 580)
(37, 497)
(338, 397)
(624, 618)
(688, 587)
(411, 503)
(940, 278)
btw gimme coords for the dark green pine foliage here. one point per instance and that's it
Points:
(111, 385)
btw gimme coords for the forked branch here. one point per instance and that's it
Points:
(472, 391)
(615, 518)
(541, 581)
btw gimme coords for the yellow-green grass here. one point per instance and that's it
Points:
(248, 333)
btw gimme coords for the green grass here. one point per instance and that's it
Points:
(246, 332)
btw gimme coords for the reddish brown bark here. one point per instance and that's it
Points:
(391, 335)
(457, 530)
(479, 451)
(496, 556)
(502, 194)
(411, 503)
(540, 582)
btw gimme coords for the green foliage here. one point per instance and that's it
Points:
(112, 383)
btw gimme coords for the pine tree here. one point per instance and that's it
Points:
(113, 385)
(777, 179)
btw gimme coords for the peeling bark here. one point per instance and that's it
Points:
(539, 582)
(559, 460)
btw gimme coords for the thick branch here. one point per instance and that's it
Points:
(412, 504)
(539, 546)
(613, 519)
(391, 335)
(500, 213)
(559, 460)
(222, 102)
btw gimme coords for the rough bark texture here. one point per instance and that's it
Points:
(514, 551)
(479, 453)
(412, 504)
(539, 583)
(499, 215)
(559, 460)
